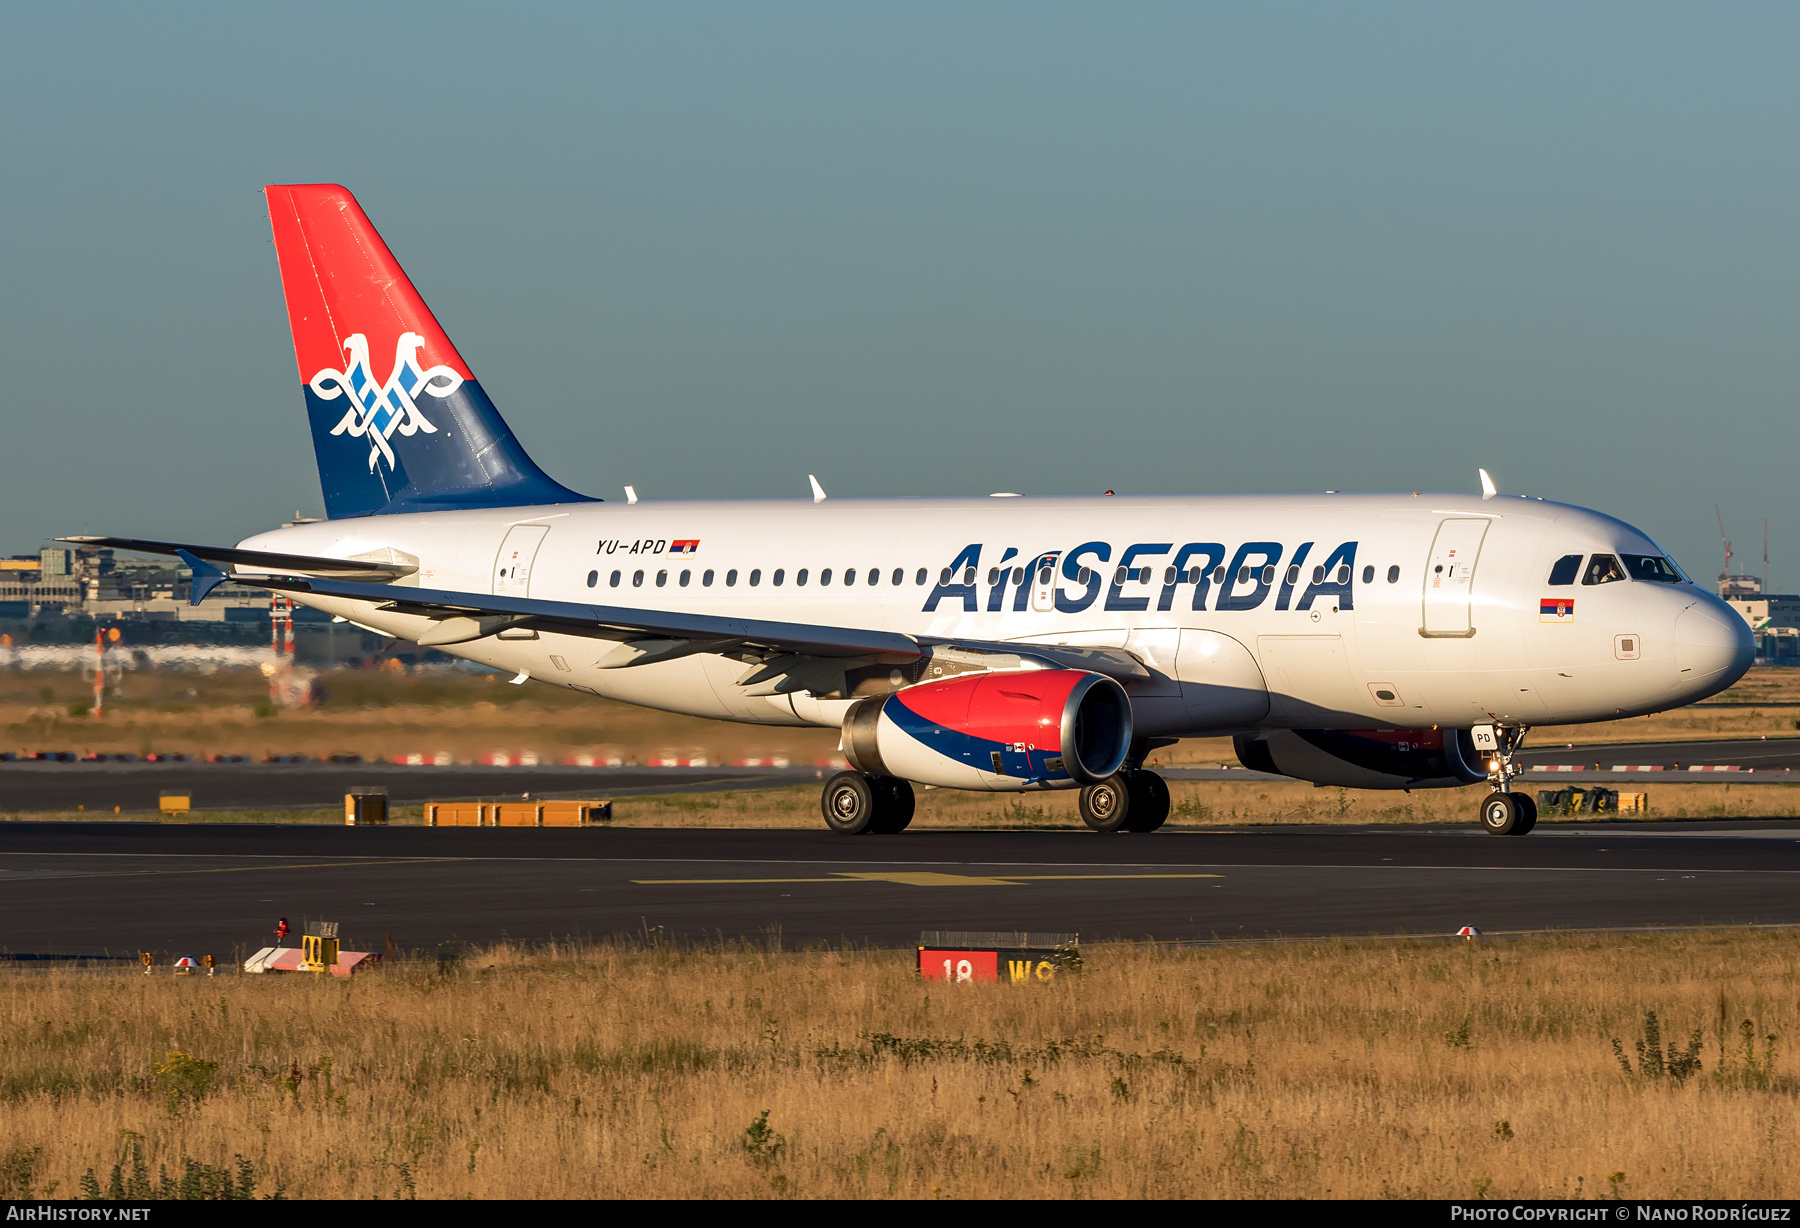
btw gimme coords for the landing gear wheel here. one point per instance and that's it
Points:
(1149, 802)
(1503, 815)
(850, 804)
(1107, 805)
(1528, 813)
(894, 805)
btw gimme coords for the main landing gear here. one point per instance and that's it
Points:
(1503, 812)
(856, 805)
(1130, 800)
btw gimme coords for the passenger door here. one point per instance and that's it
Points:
(1450, 578)
(512, 568)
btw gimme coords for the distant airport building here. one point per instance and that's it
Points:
(1774, 617)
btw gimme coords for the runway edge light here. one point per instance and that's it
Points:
(1468, 931)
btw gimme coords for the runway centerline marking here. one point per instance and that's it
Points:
(910, 878)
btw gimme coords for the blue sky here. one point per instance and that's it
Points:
(708, 249)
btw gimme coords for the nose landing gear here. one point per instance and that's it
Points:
(1503, 812)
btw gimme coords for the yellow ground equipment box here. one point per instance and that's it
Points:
(176, 802)
(319, 947)
(518, 814)
(366, 806)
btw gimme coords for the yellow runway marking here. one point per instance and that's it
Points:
(912, 878)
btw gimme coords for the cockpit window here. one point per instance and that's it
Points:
(1603, 569)
(1565, 570)
(1651, 568)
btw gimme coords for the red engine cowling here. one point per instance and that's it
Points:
(1365, 758)
(1035, 729)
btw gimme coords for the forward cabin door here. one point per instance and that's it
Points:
(512, 569)
(1450, 578)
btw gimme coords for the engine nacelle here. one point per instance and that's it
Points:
(1001, 732)
(1365, 758)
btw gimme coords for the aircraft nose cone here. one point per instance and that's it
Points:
(1713, 648)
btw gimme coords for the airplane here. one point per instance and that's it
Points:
(1001, 643)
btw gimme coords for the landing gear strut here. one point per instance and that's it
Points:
(1126, 801)
(1503, 812)
(855, 804)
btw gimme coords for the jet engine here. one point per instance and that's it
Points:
(1000, 732)
(1365, 758)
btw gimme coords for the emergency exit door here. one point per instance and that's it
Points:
(512, 569)
(1450, 578)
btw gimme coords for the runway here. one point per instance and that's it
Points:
(36, 787)
(116, 888)
(27, 787)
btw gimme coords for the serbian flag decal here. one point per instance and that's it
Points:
(1556, 610)
(689, 545)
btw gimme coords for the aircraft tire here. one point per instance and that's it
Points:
(1149, 802)
(1528, 813)
(1502, 815)
(850, 804)
(894, 805)
(1106, 807)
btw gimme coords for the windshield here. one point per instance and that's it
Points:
(1652, 568)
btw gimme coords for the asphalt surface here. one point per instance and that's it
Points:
(34, 786)
(26, 787)
(98, 889)
(1760, 754)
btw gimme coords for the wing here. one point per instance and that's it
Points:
(782, 656)
(262, 560)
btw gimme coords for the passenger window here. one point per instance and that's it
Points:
(1318, 575)
(637, 579)
(593, 578)
(756, 577)
(1119, 576)
(778, 577)
(1563, 572)
(968, 575)
(1603, 569)
(1369, 574)
(944, 577)
(899, 577)
(1018, 576)
(1293, 576)
(825, 576)
(1269, 574)
(1343, 573)
(1193, 575)
(1085, 576)
(706, 578)
(685, 577)
(1243, 575)
(662, 578)
(1218, 575)
(799, 577)
(731, 578)
(615, 579)
(849, 576)
(920, 578)
(1394, 574)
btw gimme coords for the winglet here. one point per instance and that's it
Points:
(1488, 489)
(818, 490)
(206, 577)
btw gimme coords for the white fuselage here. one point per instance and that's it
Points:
(1390, 647)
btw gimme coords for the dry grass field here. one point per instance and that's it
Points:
(379, 714)
(1379, 1069)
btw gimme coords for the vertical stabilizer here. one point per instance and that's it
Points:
(399, 422)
